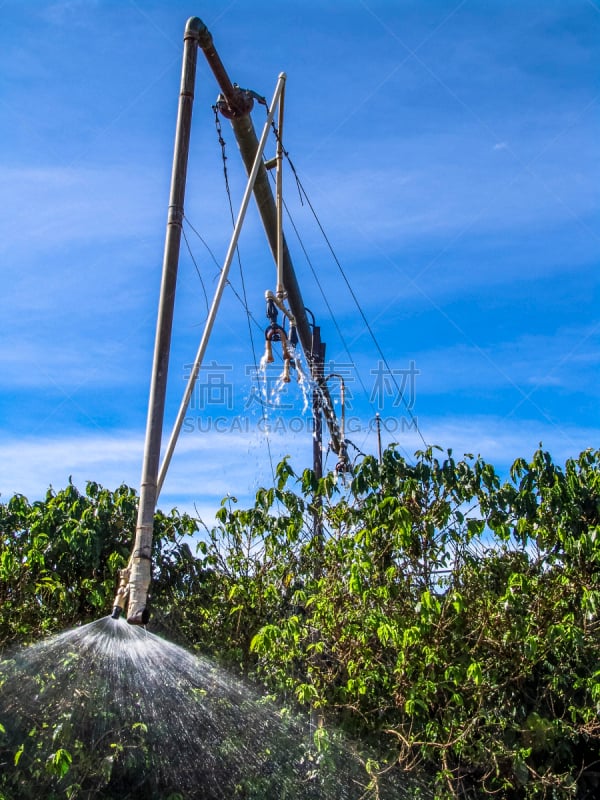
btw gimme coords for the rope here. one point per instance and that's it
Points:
(304, 194)
(323, 295)
(189, 249)
(222, 143)
(219, 267)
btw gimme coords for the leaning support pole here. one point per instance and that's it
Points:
(140, 562)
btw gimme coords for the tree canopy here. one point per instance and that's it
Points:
(444, 616)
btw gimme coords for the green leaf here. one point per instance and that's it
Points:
(306, 693)
(59, 763)
(475, 673)
(520, 770)
(18, 754)
(141, 726)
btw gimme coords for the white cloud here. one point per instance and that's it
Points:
(563, 359)
(66, 10)
(205, 467)
(439, 198)
(398, 178)
(61, 364)
(208, 467)
(29, 466)
(498, 440)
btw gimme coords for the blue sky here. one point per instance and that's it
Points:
(450, 151)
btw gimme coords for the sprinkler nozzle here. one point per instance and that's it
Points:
(269, 352)
(275, 333)
(122, 594)
(271, 308)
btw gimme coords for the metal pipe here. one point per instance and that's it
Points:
(140, 562)
(220, 287)
(280, 291)
(319, 351)
(239, 101)
(122, 594)
(135, 580)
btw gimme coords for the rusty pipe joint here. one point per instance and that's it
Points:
(196, 29)
(239, 104)
(233, 102)
(122, 594)
(343, 465)
(275, 302)
(274, 333)
(268, 356)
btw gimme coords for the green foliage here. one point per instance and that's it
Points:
(59, 557)
(446, 617)
(443, 614)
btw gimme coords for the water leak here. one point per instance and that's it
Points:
(305, 382)
(272, 391)
(111, 711)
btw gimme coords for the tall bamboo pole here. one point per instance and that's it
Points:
(140, 562)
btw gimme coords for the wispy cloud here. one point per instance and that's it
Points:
(530, 360)
(498, 440)
(210, 466)
(206, 467)
(29, 466)
(445, 182)
(452, 159)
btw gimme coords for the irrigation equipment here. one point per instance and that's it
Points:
(235, 104)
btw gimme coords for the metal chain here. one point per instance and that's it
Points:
(222, 142)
